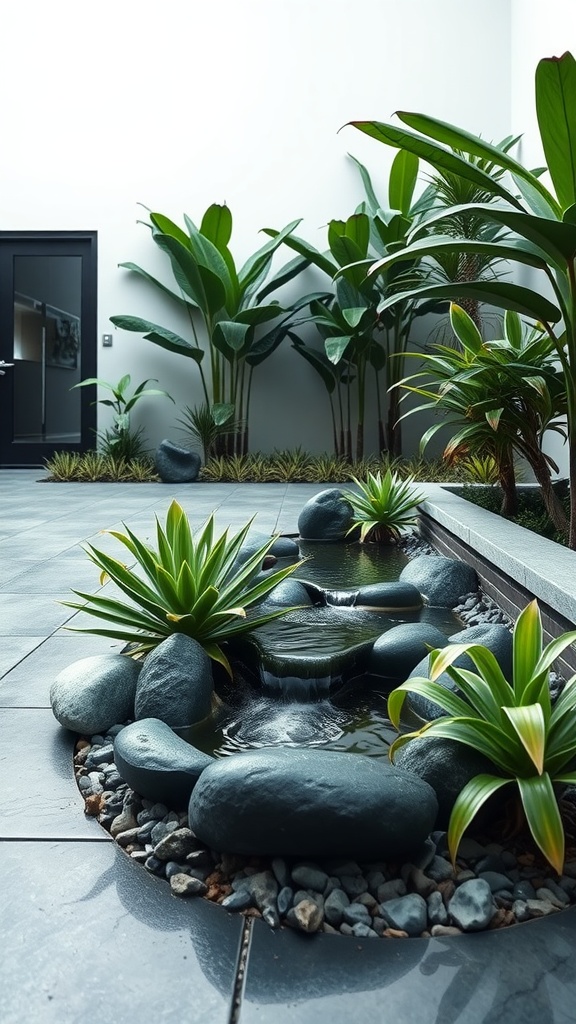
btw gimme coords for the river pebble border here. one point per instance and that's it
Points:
(493, 885)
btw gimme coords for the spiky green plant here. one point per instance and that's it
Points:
(385, 506)
(531, 743)
(189, 584)
(63, 466)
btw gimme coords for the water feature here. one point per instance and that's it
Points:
(303, 680)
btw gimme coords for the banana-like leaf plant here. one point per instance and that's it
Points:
(190, 583)
(531, 743)
(501, 396)
(540, 221)
(357, 339)
(227, 307)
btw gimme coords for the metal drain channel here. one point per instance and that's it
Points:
(240, 980)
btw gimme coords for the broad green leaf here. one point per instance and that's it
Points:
(556, 113)
(527, 638)
(166, 226)
(554, 649)
(185, 269)
(229, 337)
(253, 266)
(259, 314)
(217, 272)
(450, 702)
(153, 280)
(468, 803)
(354, 316)
(465, 329)
(439, 246)
(371, 196)
(513, 329)
(465, 142)
(336, 347)
(497, 293)
(402, 181)
(543, 817)
(172, 343)
(493, 417)
(530, 727)
(484, 737)
(283, 276)
(357, 229)
(217, 225)
(222, 412)
(434, 154)
(310, 253)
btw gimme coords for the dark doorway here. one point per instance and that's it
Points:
(48, 285)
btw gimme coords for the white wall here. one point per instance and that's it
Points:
(181, 104)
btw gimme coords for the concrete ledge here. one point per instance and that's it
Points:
(513, 563)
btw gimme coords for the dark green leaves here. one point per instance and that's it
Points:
(556, 112)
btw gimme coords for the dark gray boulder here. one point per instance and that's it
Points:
(389, 597)
(311, 803)
(442, 581)
(175, 684)
(472, 907)
(398, 651)
(327, 516)
(288, 593)
(95, 693)
(446, 765)
(495, 637)
(158, 764)
(176, 465)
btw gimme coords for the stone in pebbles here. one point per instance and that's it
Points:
(407, 913)
(177, 845)
(334, 907)
(471, 907)
(308, 876)
(185, 885)
(307, 916)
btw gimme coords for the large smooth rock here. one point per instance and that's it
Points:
(176, 465)
(384, 597)
(495, 637)
(94, 693)
(175, 684)
(311, 803)
(398, 651)
(447, 766)
(158, 764)
(327, 516)
(289, 593)
(442, 581)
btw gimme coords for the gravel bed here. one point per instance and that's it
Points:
(492, 886)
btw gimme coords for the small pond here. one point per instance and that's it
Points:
(303, 680)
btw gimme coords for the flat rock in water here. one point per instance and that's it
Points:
(175, 684)
(442, 581)
(327, 516)
(95, 693)
(311, 803)
(156, 763)
(398, 651)
(389, 597)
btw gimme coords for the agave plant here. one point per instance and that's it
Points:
(190, 584)
(385, 506)
(530, 743)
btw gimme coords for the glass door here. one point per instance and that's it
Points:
(47, 345)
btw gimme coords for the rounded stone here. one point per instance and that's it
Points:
(158, 764)
(442, 581)
(495, 637)
(288, 593)
(447, 766)
(327, 516)
(175, 684)
(389, 597)
(176, 465)
(472, 907)
(311, 803)
(398, 651)
(95, 693)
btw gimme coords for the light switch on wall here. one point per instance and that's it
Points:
(107, 340)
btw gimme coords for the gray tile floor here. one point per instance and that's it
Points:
(87, 934)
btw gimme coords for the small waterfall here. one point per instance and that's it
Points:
(296, 688)
(341, 598)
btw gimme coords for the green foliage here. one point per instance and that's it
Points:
(225, 306)
(530, 513)
(497, 398)
(385, 506)
(96, 466)
(121, 443)
(480, 469)
(513, 724)
(190, 583)
(206, 426)
(540, 224)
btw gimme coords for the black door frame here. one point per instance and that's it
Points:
(46, 243)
